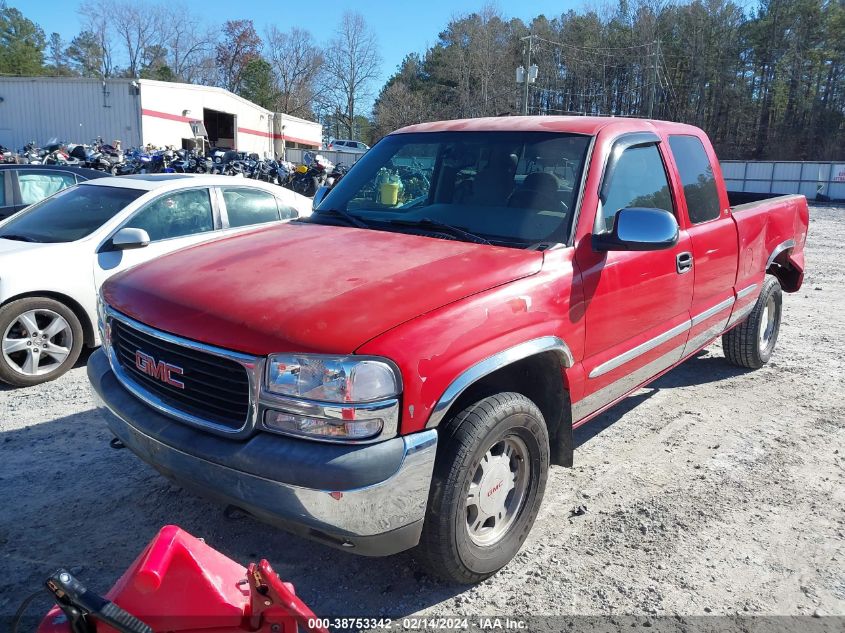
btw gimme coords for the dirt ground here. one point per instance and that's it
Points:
(714, 491)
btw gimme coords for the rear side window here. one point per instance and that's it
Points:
(37, 185)
(249, 206)
(639, 180)
(697, 177)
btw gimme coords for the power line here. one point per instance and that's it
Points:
(595, 49)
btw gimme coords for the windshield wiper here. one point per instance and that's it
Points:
(437, 224)
(18, 238)
(351, 219)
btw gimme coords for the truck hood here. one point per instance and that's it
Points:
(307, 287)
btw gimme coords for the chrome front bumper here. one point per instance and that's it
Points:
(270, 476)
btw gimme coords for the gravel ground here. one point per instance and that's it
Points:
(713, 491)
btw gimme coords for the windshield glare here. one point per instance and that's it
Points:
(69, 215)
(510, 188)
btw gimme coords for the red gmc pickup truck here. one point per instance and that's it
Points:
(400, 369)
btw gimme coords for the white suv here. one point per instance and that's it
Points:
(347, 146)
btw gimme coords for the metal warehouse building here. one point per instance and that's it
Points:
(141, 111)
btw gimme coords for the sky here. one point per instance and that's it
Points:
(402, 26)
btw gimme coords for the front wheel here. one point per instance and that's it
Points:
(751, 343)
(42, 339)
(488, 483)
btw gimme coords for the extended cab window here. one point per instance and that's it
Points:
(697, 177)
(249, 206)
(175, 215)
(639, 180)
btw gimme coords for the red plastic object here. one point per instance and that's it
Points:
(180, 584)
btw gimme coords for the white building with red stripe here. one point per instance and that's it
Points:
(139, 112)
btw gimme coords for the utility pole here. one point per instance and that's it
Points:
(526, 75)
(654, 70)
(528, 66)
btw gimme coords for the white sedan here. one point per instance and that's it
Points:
(55, 254)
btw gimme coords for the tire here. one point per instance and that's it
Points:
(751, 343)
(46, 355)
(452, 546)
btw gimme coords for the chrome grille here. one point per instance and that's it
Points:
(217, 390)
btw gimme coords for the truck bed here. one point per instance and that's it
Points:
(741, 198)
(772, 231)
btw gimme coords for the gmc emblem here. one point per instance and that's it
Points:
(160, 370)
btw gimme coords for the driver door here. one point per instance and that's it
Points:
(637, 303)
(173, 221)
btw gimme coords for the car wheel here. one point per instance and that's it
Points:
(751, 343)
(42, 339)
(488, 483)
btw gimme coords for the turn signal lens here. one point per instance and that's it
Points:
(282, 422)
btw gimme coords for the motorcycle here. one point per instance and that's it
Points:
(336, 174)
(7, 155)
(31, 154)
(308, 178)
(103, 157)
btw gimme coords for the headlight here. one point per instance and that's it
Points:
(102, 323)
(336, 379)
(332, 398)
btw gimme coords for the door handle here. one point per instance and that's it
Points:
(683, 262)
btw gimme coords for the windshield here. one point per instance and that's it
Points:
(69, 215)
(514, 189)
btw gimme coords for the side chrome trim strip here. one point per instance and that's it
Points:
(618, 388)
(640, 349)
(716, 309)
(491, 364)
(783, 246)
(705, 337)
(740, 314)
(741, 294)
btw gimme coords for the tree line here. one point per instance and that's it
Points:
(765, 83)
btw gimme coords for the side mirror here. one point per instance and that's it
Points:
(129, 238)
(319, 195)
(637, 229)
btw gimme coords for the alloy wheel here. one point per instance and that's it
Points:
(37, 342)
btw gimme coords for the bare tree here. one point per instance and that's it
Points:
(137, 27)
(96, 24)
(296, 62)
(397, 107)
(189, 46)
(352, 63)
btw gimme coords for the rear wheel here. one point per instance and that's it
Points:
(488, 483)
(751, 343)
(42, 339)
